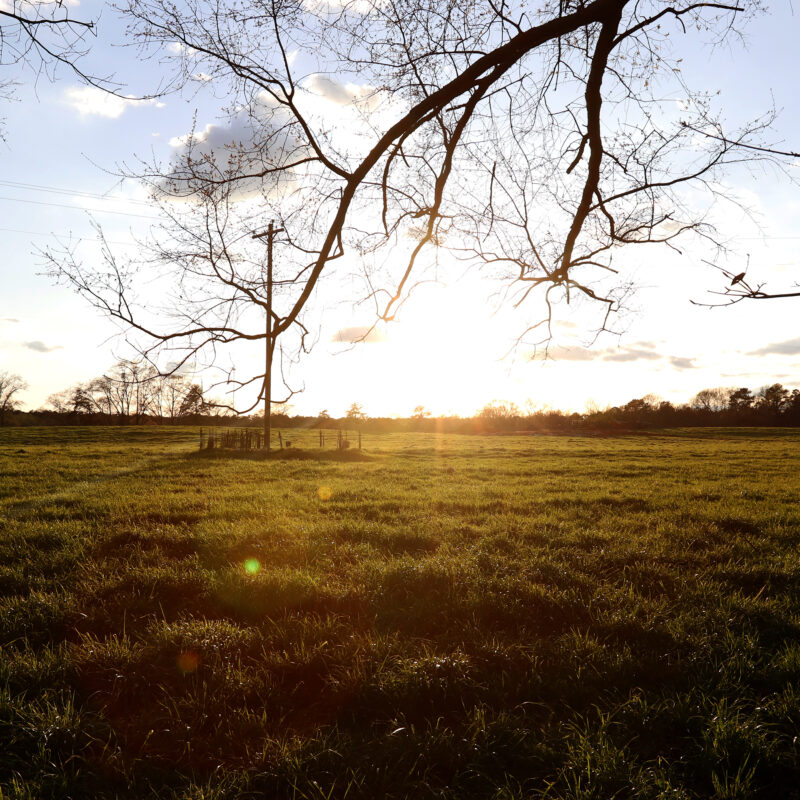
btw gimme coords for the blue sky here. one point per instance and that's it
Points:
(446, 349)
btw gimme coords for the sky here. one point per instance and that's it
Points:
(450, 348)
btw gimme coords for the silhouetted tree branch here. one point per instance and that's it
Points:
(531, 143)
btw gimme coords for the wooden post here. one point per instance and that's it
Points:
(359, 440)
(201, 438)
(280, 440)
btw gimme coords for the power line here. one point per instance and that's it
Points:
(35, 187)
(77, 208)
(55, 236)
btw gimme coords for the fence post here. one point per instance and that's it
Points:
(359, 440)
(201, 438)
(280, 440)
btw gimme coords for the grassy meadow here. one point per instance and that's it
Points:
(436, 617)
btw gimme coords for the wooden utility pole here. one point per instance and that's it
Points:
(271, 232)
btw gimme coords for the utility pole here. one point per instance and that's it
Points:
(270, 233)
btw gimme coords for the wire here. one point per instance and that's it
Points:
(55, 236)
(76, 208)
(35, 187)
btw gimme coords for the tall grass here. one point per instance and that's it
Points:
(485, 617)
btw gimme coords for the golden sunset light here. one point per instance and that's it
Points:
(399, 400)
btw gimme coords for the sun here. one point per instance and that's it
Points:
(446, 344)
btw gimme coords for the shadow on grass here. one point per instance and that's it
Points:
(288, 454)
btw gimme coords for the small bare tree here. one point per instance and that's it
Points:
(356, 413)
(11, 386)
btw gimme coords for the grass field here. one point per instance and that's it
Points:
(448, 617)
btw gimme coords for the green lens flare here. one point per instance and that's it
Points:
(251, 566)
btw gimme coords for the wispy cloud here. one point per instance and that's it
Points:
(358, 333)
(573, 354)
(631, 354)
(791, 347)
(39, 346)
(89, 101)
(9, 319)
(638, 351)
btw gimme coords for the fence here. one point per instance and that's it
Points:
(299, 438)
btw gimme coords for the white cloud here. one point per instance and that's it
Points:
(91, 101)
(344, 94)
(790, 347)
(252, 140)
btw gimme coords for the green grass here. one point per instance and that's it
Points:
(444, 617)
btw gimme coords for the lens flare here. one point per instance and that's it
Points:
(188, 661)
(324, 493)
(252, 566)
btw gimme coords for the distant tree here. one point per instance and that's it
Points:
(59, 401)
(193, 402)
(640, 409)
(356, 412)
(740, 399)
(11, 386)
(167, 395)
(281, 409)
(793, 409)
(73, 401)
(420, 412)
(636, 406)
(323, 415)
(129, 391)
(499, 409)
(500, 414)
(712, 400)
(773, 399)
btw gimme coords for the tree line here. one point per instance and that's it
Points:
(773, 405)
(134, 393)
(130, 393)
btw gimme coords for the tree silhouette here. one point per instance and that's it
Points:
(356, 412)
(741, 399)
(774, 399)
(11, 386)
(530, 142)
(420, 412)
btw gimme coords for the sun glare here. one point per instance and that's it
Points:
(442, 347)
